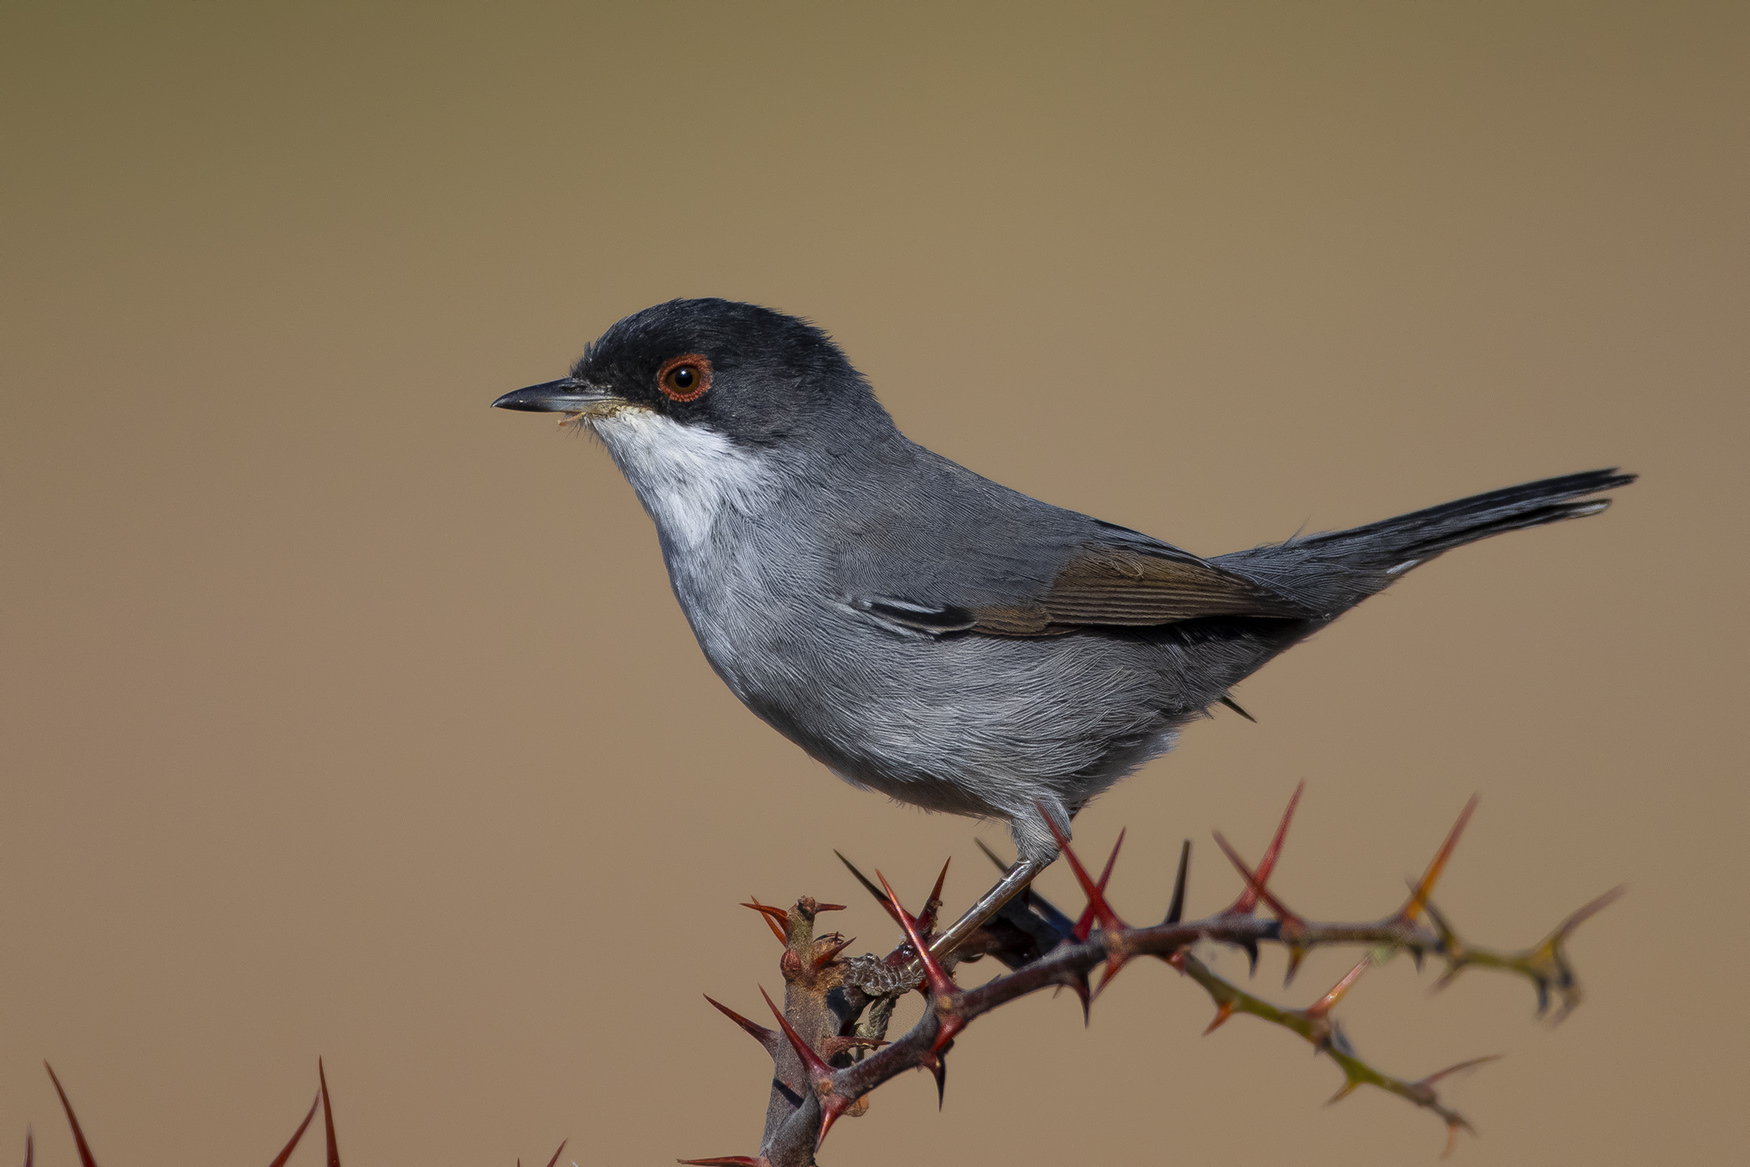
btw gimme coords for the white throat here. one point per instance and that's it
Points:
(687, 476)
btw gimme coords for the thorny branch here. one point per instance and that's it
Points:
(322, 1100)
(830, 1052)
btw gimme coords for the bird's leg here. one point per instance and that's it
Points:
(1018, 876)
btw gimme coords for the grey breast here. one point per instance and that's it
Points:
(971, 724)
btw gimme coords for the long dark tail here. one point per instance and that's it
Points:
(1333, 571)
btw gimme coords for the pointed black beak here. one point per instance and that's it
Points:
(565, 395)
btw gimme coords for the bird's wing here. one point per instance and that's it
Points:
(1130, 581)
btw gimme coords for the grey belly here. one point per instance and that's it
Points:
(973, 725)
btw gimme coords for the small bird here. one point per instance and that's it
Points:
(923, 631)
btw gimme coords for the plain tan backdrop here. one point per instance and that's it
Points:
(343, 717)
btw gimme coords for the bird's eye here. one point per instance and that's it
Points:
(684, 378)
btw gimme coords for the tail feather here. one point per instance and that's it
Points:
(1335, 570)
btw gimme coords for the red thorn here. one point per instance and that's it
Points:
(943, 990)
(1349, 1086)
(810, 1060)
(1255, 887)
(927, 917)
(1109, 921)
(1248, 900)
(829, 907)
(1326, 1003)
(1581, 915)
(766, 1037)
(832, 1104)
(72, 1120)
(831, 1107)
(1222, 1012)
(1103, 913)
(1464, 1065)
(279, 1160)
(1419, 897)
(1085, 924)
(941, 984)
(558, 1153)
(777, 919)
(1451, 1139)
(830, 954)
(328, 1116)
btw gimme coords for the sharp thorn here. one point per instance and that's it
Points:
(777, 919)
(927, 918)
(1567, 926)
(1296, 954)
(1085, 924)
(941, 878)
(328, 1115)
(557, 1153)
(943, 990)
(1103, 912)
(85, 1157)
(1176, 909)
(1347, 1088)
(768, 1038)
(1255, 889)
(811, 1061)
(830, 954)
(1425, 887)
(1235, 706)
(869, 887)
(988, 854)
(941, 984)
(1451, 1139)
(1248, 899)
(279, 1160)
(1464, 1065)
(830, 1109)
(1114, 962)
(1222, 1012)
(1337, 991)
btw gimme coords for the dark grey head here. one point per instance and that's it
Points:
(753, 375)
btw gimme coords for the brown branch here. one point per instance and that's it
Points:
(837, 1008)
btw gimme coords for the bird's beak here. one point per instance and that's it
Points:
(566, 395)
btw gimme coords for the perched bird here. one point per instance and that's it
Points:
(923, 631)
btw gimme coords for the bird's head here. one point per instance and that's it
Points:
(750, 375)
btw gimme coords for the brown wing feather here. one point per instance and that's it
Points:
(1118, 586)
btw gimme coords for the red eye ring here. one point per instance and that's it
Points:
(684, 378)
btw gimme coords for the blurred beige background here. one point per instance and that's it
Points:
(343, 717)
